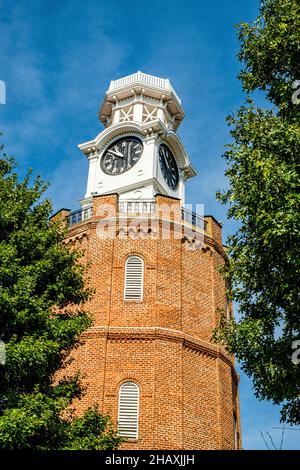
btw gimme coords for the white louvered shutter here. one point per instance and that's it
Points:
(134, 273)
(128, 410)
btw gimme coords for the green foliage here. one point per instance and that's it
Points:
(42, 295)
(263, 171)
(270, 50)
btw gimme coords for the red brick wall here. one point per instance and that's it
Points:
(187, 384)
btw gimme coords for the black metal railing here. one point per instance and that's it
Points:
(193, 218)
(79, 216)
(136, 208)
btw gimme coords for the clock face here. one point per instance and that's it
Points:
(168, 166)
(121, 155)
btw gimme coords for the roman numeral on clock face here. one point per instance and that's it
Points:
(121, 155)
(168, 166)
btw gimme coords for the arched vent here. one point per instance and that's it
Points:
(128, 415)
(134, 273)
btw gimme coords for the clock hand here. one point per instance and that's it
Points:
(163, 153)
(166, 161)
(117, 153)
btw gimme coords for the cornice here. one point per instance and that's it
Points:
(93, 222)
(159, 333)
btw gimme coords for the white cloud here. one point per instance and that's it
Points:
(52, 100)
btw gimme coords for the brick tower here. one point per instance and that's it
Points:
(148, 359)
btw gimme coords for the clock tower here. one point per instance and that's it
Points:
(149, 360)
(139, 154)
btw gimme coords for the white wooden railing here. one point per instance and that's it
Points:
(143, 78)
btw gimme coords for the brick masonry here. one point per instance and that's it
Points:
(188, 385)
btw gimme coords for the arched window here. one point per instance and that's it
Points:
(128, 414)
(134, 278)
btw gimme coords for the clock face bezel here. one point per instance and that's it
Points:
(163, 166)
(118, 140)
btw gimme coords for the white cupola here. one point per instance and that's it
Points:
(138, 154)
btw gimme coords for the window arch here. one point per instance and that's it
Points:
(128, 412)
(134, 278)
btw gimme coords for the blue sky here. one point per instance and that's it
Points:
(57, 59)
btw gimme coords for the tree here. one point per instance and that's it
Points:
(42, 295)
(263, 196)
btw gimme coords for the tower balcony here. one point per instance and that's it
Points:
(138, 208)
(145, 209)
(78, 216)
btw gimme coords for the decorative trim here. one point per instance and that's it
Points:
(92, 223)
(125, 334)
(132, 133)
(79, 236)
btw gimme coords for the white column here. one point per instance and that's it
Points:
(91, 183)
(181, 188)
(161, 110)
(138, 112)
(161, 114)
(116, 116)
